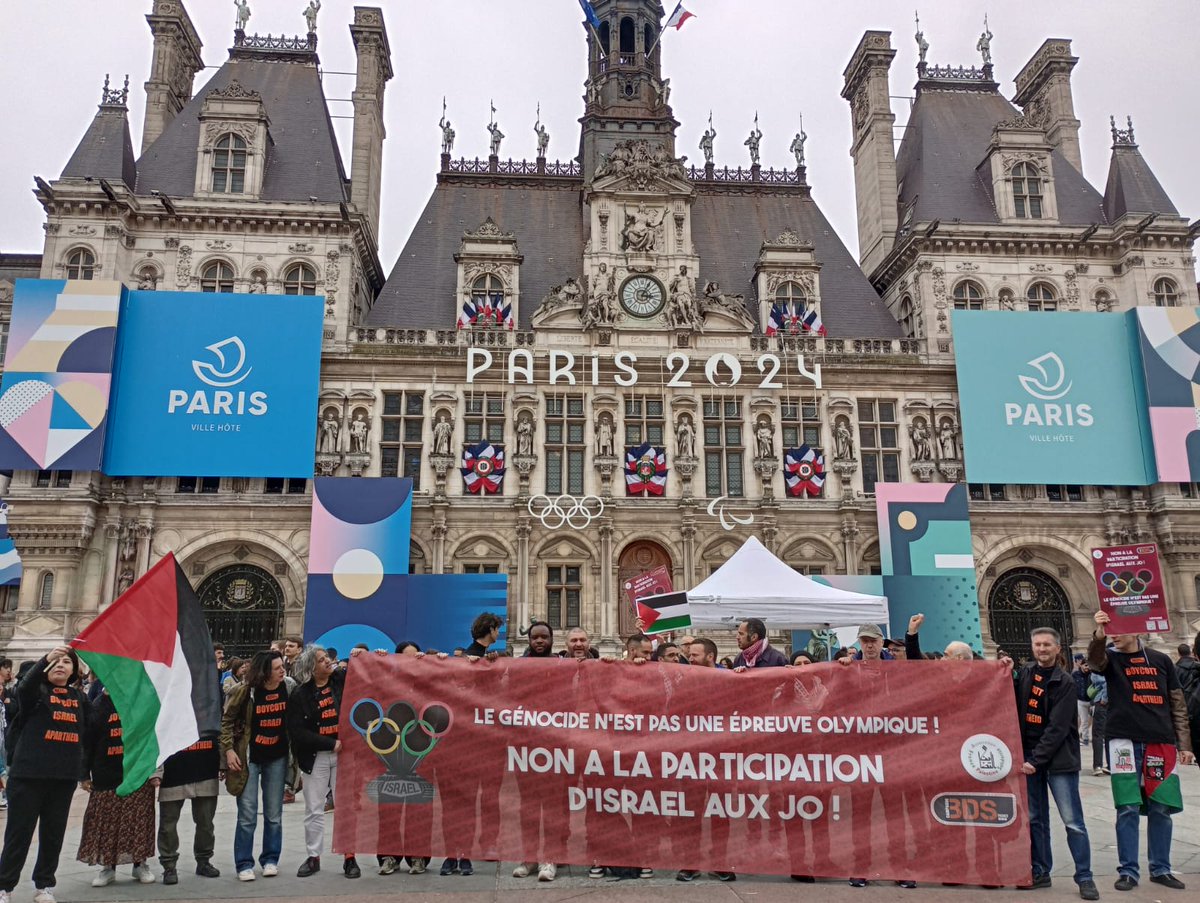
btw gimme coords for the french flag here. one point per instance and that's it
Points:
(678, 17)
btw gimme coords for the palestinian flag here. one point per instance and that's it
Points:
(1158, 779)
(664, 613)
(152, 650)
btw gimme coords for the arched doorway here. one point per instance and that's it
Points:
(243, 606)
(1022, 599)
(636, 558)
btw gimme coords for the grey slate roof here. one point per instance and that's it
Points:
(937, 166)
(1132, 187)
(106, 150)
(729, 230)
(550, 229)
(302, 159)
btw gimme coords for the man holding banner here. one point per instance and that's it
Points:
(1148, 735)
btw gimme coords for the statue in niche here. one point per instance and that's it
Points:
(683, 301)
(329, 434)
(310, 15)
(685, 438)
(129, 545)
(443, 432)
(604, 437)
(359, 431)
(243, 13)
(948, 440)
(843, 441)
(640, 230)
(764, 437)
(147, 280)
(1006, 300)
(258, 283)
(918, 432)
(599, 309)
(124, 581)
(524, 436)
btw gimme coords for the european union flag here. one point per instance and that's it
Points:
(590, 12)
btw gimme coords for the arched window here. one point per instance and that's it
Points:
(216, 277)
(1041, 296)
(791, 292)
(604, 32)
(628, 30)
(1027, 191)
(968, 296)
(46, 590)
(647, 38)
(81, 264)
(907, 320)
(229, 165)
(300, 279)
(487, 294)
(1166, 293)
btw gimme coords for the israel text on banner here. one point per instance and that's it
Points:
(906, 770)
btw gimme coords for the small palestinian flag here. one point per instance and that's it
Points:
(483, 468)
(664, 613)
(645, 470)
(1158, 781)
(803, 471)
(152, 650)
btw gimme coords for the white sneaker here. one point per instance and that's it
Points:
(3, 896)
(43, 895)
(388, 866)
(547, 871)
(246, 875)
(143, 874)
(270, 871)
(523, 870)
(105, 878)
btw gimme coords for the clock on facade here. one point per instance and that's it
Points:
(642, 296)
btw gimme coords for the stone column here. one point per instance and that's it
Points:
(439, 541)
(688, 531)
(850, 541)
(145, 529)
(608, 576)
(112, 546)
(524, 529)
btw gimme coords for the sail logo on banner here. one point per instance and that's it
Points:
(1047, 387)
(229, 370)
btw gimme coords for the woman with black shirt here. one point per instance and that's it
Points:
(117, 830)
(254, 742)
(47, 764)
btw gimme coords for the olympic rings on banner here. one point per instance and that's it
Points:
(577, 513)
(374, 728)
(361, 724)
(427, 729)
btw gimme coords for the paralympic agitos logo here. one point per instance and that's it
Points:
(401, 738)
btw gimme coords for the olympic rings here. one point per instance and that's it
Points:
(443, 714)
(362, 725)
(579, 514)
(374, 726)
(426, 729)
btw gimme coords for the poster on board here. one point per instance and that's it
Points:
(1130, 585)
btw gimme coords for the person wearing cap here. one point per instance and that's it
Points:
(871, 649)
(896, 648)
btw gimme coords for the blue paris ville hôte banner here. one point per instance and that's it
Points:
(1052, 398)
(215, 384)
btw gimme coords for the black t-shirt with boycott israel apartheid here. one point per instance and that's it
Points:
(268, 735)
(1139, 696)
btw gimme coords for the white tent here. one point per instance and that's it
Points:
(753, 583)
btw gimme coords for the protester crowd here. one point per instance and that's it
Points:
(60, 731)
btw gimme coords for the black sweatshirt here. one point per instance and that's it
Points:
(105, 745)
(199, 762)
(52, 727)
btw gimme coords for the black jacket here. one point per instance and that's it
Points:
(1188, 672)
(1057, 749)
(303, 721)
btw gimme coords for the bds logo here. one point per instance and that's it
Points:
(230, 369)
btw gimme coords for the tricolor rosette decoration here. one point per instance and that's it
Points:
(803, 471)
(483, 468)
(645, 470)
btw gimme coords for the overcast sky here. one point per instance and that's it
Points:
(779, 57)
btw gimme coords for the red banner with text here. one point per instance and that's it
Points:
(901, 770)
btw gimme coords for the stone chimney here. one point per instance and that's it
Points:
(374, 71)
(868, 91)
(174, 65)
(1044, 94)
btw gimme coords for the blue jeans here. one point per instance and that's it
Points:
(1158, 832)
(271, 775)
(1065, 788)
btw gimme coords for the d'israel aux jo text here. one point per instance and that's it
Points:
(591, 368)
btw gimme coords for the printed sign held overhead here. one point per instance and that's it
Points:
(1130, 585)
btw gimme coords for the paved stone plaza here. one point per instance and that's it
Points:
(492, 882)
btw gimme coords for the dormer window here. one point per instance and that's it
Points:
(229, 165)
(300, 279)
(487, 296)
(968, 296)
(1041, 297)
(1166, 292)
(908, 322)
(216, 277)
(791, 293)
(1027, 191)
(81, 264)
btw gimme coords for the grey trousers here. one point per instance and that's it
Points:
(204, 808)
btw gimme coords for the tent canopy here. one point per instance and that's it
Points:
(753, 583)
